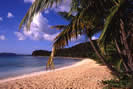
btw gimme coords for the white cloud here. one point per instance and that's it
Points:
(63, 7)
(1, 19)
(49, 37)
(29, 1)
(2, 37)
(39, 29)
(94, 38)
(20, 36)
(10, 15)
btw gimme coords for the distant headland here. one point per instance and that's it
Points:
(12, 54)
(8, 54)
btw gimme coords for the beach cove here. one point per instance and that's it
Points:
(86, 74)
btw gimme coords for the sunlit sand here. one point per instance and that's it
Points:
(86, 74)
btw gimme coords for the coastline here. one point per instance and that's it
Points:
(39, 65)
(38, 73)
(78, 58)
(71, 73)
(43, 72)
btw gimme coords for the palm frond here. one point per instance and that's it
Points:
(108, 21)
(74, 7)
(58, 27)
(77, 27)
(67, 34)
(36, 7)
(72, 30)
(66, 15)
(60, 41)
(106, 33)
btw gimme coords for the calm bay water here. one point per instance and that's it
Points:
(11, 66)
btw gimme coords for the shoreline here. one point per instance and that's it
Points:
(42, 72)
(85, 74)
(79, 58)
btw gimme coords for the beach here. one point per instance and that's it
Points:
(86, 74)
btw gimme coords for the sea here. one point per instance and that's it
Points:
(13, 66)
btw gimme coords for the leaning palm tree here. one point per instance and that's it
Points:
(91, 16)
(83, 23)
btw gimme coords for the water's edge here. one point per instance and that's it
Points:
(44, 72)
(33, 65)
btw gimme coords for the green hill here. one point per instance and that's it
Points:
(41, 53)
(80, 50)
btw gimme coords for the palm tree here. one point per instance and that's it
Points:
(116, 27)
(92, 16)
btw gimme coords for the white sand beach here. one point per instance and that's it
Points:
(86, 74)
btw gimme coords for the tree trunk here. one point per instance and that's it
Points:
(115, 72)
(122, 57)
(126, 46)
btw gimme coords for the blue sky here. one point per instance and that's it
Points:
(39, 37)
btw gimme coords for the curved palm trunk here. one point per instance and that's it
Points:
(102, 59)
(50, 63)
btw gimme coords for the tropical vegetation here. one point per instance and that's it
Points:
(113, 18)
(82, 50)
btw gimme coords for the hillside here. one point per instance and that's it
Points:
(80, 50)
(41, 53)
(8, 54)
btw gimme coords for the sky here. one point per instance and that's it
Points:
(40, 36)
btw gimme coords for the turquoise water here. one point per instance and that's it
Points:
(11, 66)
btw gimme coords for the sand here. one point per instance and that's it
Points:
(86, 74)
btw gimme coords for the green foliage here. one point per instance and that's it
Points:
(106, 25)
(66, 15)
(41, 53)
(74, 51)
(125, 82)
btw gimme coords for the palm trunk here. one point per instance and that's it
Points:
(102, 59)
(122, 57)
(50, 63)
(126, 46)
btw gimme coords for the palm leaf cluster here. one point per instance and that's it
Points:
(36, 7)
(87, 21)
